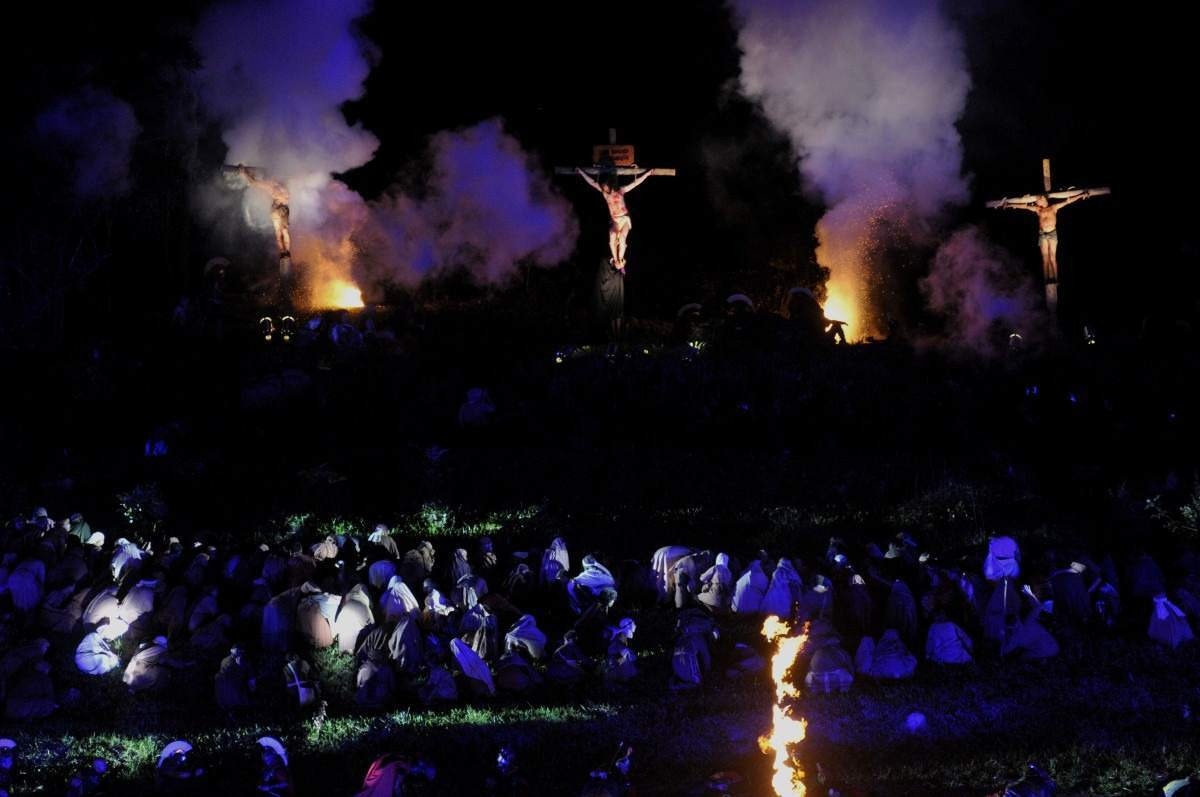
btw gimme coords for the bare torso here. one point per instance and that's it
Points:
(616, 203)
(1047, 218)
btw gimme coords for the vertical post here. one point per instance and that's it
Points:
(1046, 174)
(612, 135)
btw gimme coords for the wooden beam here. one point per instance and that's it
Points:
(624, 171)
(1046, 174)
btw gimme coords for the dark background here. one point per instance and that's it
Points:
(1099, 90)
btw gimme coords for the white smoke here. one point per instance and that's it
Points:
(869, 91)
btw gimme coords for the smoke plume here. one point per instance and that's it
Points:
(869, 91)
(94, 132)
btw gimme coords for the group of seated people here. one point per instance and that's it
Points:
(420, 628)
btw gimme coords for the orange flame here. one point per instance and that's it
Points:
(788, 780)
(339, 295)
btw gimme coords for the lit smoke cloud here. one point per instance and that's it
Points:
(982, 294)
(869, 91)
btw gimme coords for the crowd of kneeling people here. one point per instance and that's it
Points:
(489, 621)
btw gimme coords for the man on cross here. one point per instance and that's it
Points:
(1047, 214)
(614, 195)
(280, 213)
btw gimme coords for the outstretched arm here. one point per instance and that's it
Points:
(1070, 200)
(587, 179)
(1014, 204)
(641, 178)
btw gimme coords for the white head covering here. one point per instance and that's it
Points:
(178, 746)
(472, 666)
(274, 744)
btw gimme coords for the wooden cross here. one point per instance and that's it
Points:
(1046, 205)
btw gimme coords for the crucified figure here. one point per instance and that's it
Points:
(1047, 214)
(279, 206)
(614, 195)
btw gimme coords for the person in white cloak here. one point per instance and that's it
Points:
(472, 666)
(947, 643)
(751, 589)
(105, 608)
(435, 603)
(382, 537)
(398, 600)
(380, 573)
(125, 555)
(137, 607)
(555, 560)
(784, 592)
(830, 669)
(353, 615)
(817, 603)
(620, 662)
(325, 549)
(663, 563)
(478, 628)
(95, 656)
(1030, 641)
(1003, 559)
(1168, 623)
(25, 585)
(583, 589)
(147, 669)
(459, 566)
(526, 636)
(716, 586)
(885, 660)
(464, 595)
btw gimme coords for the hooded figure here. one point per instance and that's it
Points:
(376, 684)
(147, 670)
(1003, 559)
(404, 646)
(690, 660)
(25, 584)
(398, 600)
(947, 643)
(62, 611)
(279, 617)
(620, 661)
(459, 566)
(853, 608)
(555, 560)
(900, 612)
(95, 656)
(125, 556)
(473, 667)
(567, 665)
(234, 682)
(380, 573)
(353, 615)
(274, 780)
(751, 589)
(137, 608)
(885, 660)
(1168, 624)
(526, 636)
(325, 549)
(716, 586)
(1071, 602)
(479, 630)
(594, 578)
(312, 621)
(1003, 612)
(103, 607)
(663, 562)
(1030, 640)
(418, 563)
(831, 669)
(785, 591)
(383, 538)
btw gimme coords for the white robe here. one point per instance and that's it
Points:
(663, 564)
(751, 588)
(525, 634)
(94, 656)
(398, 600)
(1168, 623)
(784, 591)
(471, 665)
(555, 560)
(1003, 559)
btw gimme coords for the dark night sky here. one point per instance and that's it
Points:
(1098, 91)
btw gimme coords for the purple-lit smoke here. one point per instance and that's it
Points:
(94, 131)
(982, 293)
(485, 208)
(869, 91)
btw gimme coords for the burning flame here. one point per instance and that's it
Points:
(788, 779)
(338, 294)
(839, 306)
